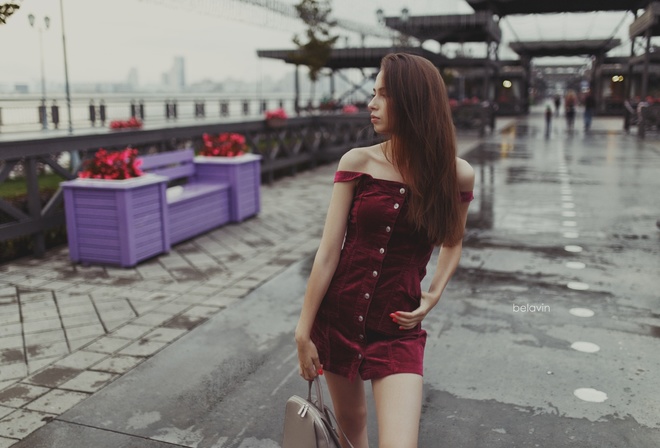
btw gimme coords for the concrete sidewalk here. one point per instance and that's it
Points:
(67, 331)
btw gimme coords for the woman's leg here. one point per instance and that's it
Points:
(398, 407)
(350, 407)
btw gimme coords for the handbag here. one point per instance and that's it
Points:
(309, 423)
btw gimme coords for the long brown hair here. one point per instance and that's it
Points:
(423, 144)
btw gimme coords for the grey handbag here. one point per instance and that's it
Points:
(308, 423)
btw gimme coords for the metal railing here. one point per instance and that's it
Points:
(26, 113)
(300, 142)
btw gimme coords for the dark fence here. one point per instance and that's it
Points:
(297, 143)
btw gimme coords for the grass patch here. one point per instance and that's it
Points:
(12, 188)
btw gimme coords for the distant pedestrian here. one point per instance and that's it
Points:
(557, 104)
(589, 107)
(548, 120)
(569, 107)
(391, 204)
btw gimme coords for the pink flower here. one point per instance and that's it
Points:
(277, 113)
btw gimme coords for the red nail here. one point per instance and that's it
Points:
(400, 328)
(392, 315)
(320, 371)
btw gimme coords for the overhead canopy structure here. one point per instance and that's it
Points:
(479, 27)
(649, 22)
(564, 47)
(342, 58)
(512, 7)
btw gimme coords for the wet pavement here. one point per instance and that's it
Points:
(547, 336)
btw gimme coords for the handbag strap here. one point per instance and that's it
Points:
(323, 408)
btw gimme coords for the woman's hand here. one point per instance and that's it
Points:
(409, 320)
(308, 360)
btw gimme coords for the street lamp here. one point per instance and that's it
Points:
(42, 109)
(405, 15)
(380, 16)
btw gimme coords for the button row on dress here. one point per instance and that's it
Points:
(360, 318)
(396, 206)
(402, 191)
(388, 229)
(381, 250)
(366, 296)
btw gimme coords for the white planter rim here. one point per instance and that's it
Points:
(228, 160)
(145, 179)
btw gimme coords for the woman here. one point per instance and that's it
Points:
(391, 203)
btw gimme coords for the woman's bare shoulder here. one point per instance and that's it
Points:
(355, 159)
(465, 175)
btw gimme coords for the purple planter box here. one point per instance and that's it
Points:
(242, 173)
(116, 222)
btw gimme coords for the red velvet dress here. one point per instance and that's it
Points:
(380, 270)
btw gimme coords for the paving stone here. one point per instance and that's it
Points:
(81, 320)
(88, 381)
(44, 338)
(113, 325)
(34, 365)
(77, 310)
(42, 325)
(13, 371)
(31, 282)
(86, 331)
(67, 300)
(11, 342)
(81, 359)
(131, 331)
(10, 318)
(171, 308)
(22, 422)
(52, 376)
(12, 355)
(10, 329)
(56, 285)
(80, 288)
(19, 394)
(57, 401)
(7, 291)
(5, 411)
(152, 319)
(46, 350)
(36, 296)
(9, 307)
(142, 347)
(75, 344)
(118, 364)
(202, 311)
(7, 384)
(107, 345)
(220, 301)
(235, 292)
(6, 443)
(165, 334)
(44, 313)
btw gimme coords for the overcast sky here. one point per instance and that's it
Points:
(105, 38)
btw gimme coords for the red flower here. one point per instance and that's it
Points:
(225, 145)
(277, 113)
(130, 123)
(117, 165)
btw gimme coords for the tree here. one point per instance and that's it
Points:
(316, 51)
(6, 10)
